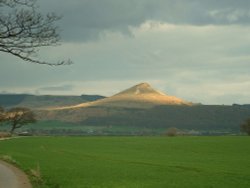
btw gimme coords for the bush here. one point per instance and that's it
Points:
(245, 127)
(4, 135)
(172, 131)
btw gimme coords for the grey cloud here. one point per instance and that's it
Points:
(199, 64)
(85, 20)
(57, 88)
(236, 98)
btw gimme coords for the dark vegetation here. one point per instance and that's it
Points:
(198, 120)
(202, 117)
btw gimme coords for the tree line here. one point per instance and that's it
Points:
(18, 116)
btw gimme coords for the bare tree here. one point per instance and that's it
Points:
(17, 117)
(23, 30)
(245, 127)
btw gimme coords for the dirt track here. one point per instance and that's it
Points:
(12, 177)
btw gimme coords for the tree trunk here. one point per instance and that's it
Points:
(12, 129)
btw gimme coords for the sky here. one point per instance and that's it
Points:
(198, 50)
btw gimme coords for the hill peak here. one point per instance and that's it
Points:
(144, 84)
(140, 89)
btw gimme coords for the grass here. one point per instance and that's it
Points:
(134, 162)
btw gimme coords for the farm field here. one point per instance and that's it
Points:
(134, 162)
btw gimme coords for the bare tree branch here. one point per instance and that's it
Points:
(23, 30)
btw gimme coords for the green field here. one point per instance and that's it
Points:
(134, 162)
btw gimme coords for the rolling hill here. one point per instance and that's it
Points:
(43, 101)
(144, 107)
(140, 96)
(138, 108)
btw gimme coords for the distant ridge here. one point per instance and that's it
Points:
(138, 96)
(44, 101)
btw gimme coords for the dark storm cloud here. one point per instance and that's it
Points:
(86, 19)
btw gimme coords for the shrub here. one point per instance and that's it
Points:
(245, 127)
(172, 131)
